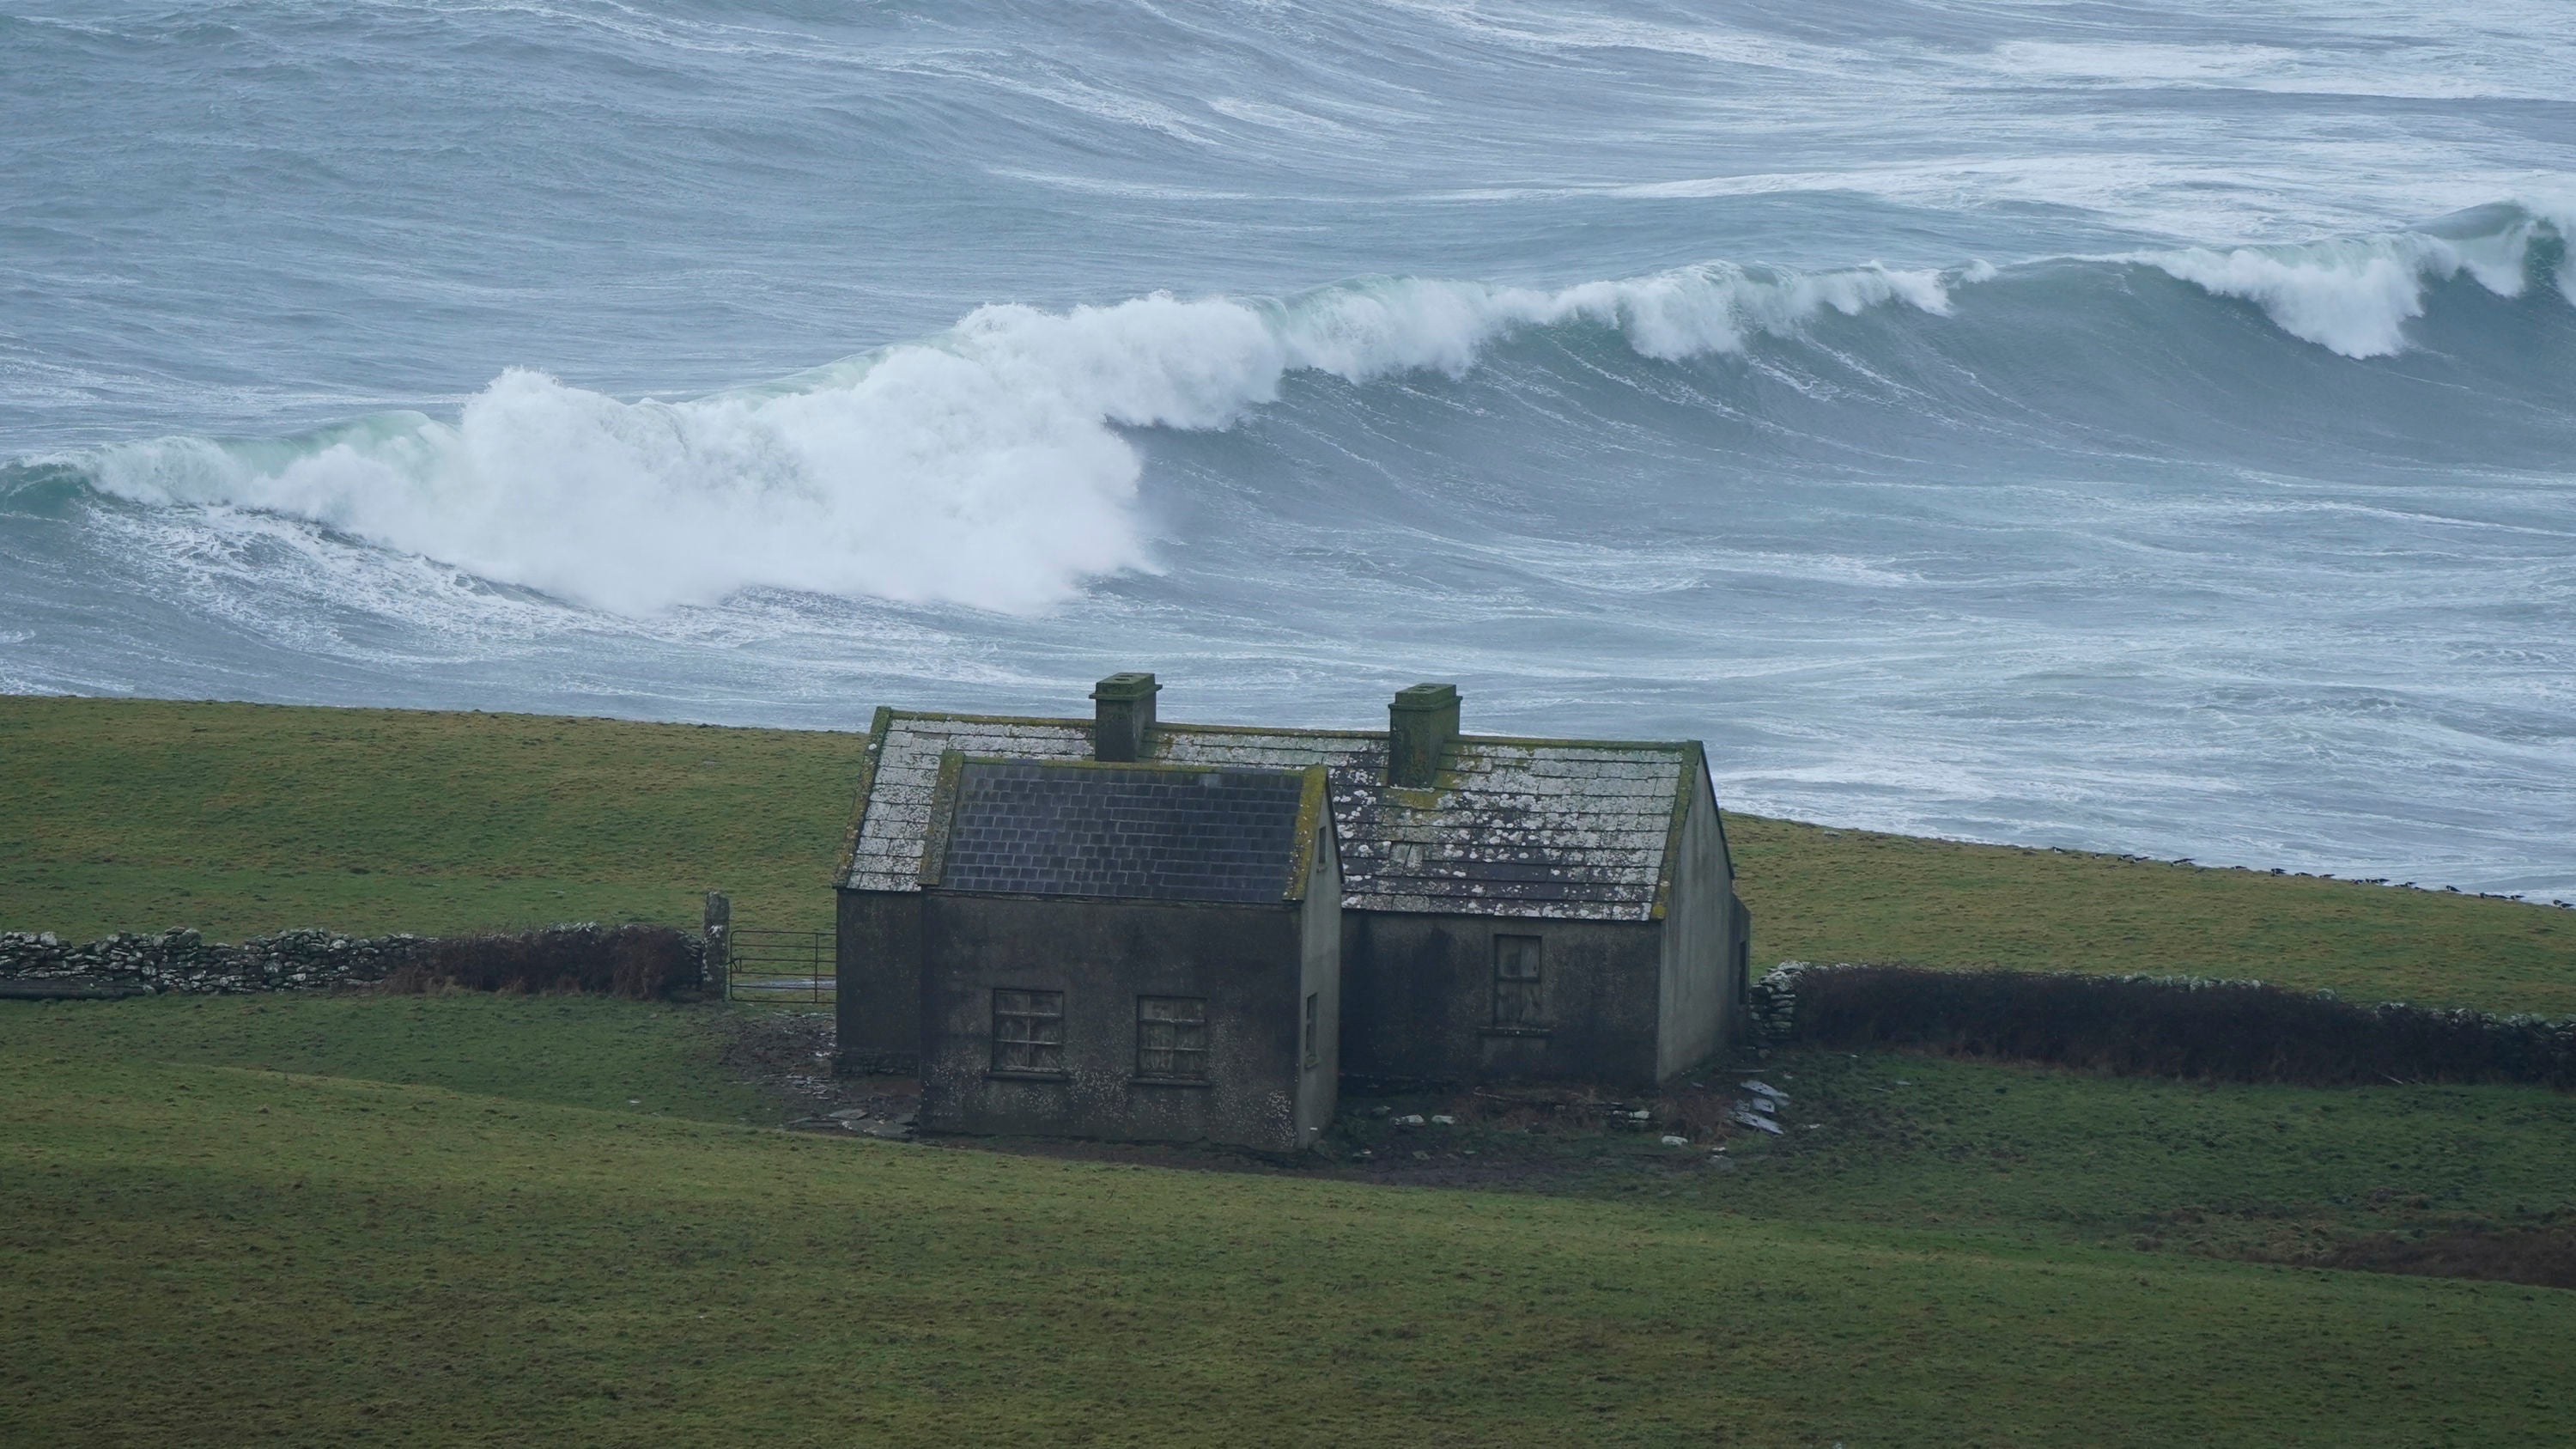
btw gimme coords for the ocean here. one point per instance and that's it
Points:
(2141, 428)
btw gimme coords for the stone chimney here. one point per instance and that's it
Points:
(1122, 711)
(1421, 720)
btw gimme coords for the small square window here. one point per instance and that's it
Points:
(1171, 1038)
(1518, 1000)
(1028, 1031)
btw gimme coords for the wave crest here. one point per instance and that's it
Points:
(983, 467)
(2355, 295)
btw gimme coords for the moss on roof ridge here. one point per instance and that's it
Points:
(1081, 723)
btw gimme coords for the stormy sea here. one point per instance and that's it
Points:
(2138, 427)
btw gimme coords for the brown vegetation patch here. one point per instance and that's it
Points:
(2542, 1257)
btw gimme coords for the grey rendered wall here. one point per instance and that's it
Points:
(1102, 954)
(1418, 1001)
(1697, 996)
(1320, 930)
(877, 981)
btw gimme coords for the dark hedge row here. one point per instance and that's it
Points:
(2243, 1031)
(641, 963)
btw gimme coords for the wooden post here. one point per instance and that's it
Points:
(719, 940)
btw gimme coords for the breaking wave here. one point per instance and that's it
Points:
(987, 466)
(2355, 295)
(984, 467)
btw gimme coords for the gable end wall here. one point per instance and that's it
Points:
(1696, 999)
(877, 959)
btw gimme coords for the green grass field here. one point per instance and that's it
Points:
(476, 1220)
(238, 819)
(463, 1219)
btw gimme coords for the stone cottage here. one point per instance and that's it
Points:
(1511, 909)
(1129, 950)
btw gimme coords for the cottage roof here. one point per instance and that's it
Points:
(1126, 831)
(1580, 829)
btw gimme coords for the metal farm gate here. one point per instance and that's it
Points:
(779, 967)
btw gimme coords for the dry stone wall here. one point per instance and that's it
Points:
(180, 960)
(638, 961)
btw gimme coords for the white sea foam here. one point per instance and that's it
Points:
(2556, 209)
(2355, 295)
(983, 467)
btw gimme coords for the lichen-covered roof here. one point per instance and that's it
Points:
(1035, 827)
(1511, 827)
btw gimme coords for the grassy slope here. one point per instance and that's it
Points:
(310, 1254)
(575, 1051)
(1847, 895)
(238, 819)
(135, 815)
(2037, 1155)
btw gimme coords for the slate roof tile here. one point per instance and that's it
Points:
(1034, 827)
(1535, 828)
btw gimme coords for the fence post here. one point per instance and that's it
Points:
(719, 941)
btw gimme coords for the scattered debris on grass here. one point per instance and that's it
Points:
(788, 1056)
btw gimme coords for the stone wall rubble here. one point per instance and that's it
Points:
(181, 961)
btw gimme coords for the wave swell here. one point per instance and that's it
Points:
(987, 466)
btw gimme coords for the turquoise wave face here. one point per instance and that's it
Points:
(2147, 437)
